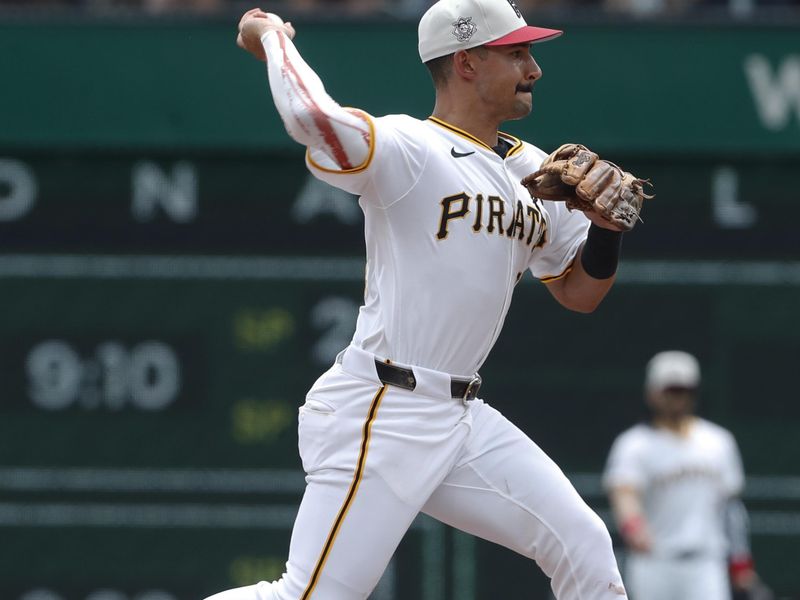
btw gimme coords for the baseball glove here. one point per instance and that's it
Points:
(575, 175)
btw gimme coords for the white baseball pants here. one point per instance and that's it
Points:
(377, 455)
(653, 578)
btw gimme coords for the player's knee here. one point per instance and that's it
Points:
(583, 545)
(594, 538)
(603, 537)
(584, 557)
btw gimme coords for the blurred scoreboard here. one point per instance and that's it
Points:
(730, 207)
(211, 370)
(163, 316)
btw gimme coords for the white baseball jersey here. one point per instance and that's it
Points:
(450, 231)
(449, 227)
(685, 483)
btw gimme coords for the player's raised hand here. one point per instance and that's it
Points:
(255, 23)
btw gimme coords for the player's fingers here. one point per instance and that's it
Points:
(545, 172)
(546, 184)
(290, 30)
(247, 15)
(256, 13)
(531, 179)
(274, 18)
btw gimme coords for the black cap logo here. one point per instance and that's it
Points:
(514, 6)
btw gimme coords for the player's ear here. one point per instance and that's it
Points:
(464, 64)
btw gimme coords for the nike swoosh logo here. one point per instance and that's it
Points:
(460, 154)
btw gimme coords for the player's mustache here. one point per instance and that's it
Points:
(525, 87)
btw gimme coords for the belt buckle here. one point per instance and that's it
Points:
(472, 388)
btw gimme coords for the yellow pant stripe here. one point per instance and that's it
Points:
(351, 493)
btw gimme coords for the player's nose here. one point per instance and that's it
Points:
(534, 71)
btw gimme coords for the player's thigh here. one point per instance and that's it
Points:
(507, 490)
(371, 464)
(344, 538)
(342, 541)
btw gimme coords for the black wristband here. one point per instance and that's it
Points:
(601, 252)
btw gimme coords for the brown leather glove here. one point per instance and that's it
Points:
(575, 175)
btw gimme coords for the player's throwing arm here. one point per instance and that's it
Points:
(310, 115)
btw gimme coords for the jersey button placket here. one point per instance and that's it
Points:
(510, 199)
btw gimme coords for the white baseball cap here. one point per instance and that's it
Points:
(672, 368)
(452, 25)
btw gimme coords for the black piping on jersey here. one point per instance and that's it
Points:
(516, 143)
(351, 493)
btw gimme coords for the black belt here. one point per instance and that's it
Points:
(465, 389)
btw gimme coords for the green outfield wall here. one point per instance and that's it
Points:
(639, 87)
(172, 280)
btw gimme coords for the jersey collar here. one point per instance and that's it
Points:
(516, 143)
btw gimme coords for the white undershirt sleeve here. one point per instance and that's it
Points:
(310, 115)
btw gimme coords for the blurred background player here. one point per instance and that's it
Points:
(673, 484)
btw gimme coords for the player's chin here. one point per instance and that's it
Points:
(523, 104)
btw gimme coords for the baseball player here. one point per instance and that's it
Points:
(396, 427)
(673, 484)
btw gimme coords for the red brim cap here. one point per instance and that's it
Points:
(526, 35)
